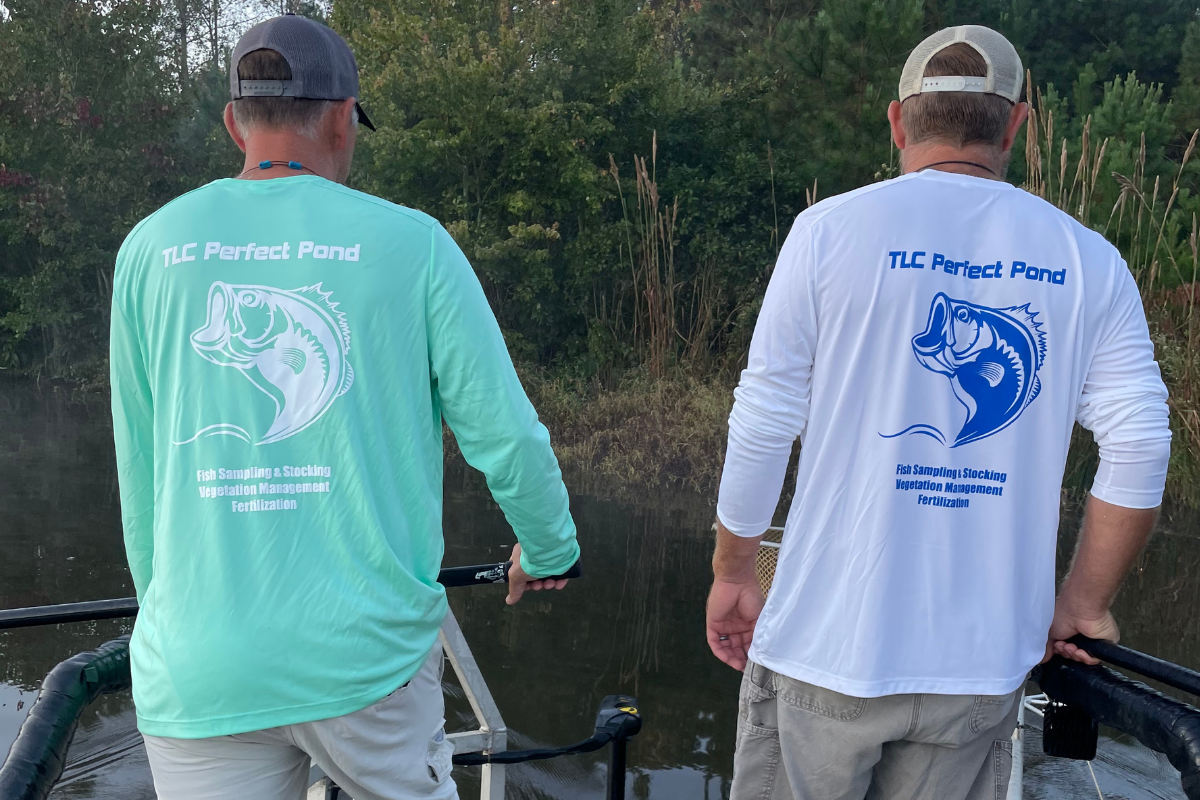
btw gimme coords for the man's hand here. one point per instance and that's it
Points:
(1111, 538)
(1068, 622)
(733, 609)
(519, 580)
(736, 599)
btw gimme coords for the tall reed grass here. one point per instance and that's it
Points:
(675, 320)
(1161, 249)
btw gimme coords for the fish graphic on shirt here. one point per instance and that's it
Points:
(292, 344)
(991, 357)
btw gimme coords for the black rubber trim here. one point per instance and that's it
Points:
(36, 760)
(1161, 723)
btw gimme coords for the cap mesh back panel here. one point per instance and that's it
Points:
(1006, 64)
(914, 67)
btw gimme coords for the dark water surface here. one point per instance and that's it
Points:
(633, 624)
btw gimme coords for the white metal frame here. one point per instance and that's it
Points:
(490, 737)
(1030, 704)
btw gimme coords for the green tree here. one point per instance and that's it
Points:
(94, 135)
(85, 109)
(1057, 39)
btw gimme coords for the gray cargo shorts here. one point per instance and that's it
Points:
(796, 741)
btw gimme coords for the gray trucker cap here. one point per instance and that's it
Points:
(323, 68)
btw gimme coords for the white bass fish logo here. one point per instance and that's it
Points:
(290, 343)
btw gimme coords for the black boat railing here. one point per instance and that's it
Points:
(1166, 672)
(1083, 697)
(38, 756)
(450, 577)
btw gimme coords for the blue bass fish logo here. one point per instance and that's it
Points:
(991, 356)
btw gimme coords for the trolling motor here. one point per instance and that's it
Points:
(1068, 731)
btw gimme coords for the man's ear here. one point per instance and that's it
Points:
(338, 124)
(232, 127)
(1016, 119)
(897, 123)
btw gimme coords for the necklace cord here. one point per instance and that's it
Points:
(265, 165)
(975, 164)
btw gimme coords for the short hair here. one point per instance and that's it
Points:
(300, 114)
(956, 118)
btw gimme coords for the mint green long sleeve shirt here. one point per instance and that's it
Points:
(283, 355)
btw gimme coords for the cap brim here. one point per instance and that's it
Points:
(363, 119)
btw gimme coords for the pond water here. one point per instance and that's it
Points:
(633, 624)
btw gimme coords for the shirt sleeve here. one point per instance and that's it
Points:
(133, 434)
(493, 421)
(771, 402)
(1124, 405)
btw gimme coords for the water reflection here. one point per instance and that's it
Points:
(633, 624)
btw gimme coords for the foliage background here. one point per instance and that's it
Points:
(620, 172)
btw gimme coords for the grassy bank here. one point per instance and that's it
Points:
(650, 435)
(645, 434)
(642, 436)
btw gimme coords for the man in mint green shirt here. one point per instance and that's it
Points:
(284, 352)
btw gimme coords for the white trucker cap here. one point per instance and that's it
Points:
(1004, 72)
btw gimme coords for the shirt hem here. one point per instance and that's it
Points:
(272, 718)
(882, 688)
(743, 531)
(1127, 498)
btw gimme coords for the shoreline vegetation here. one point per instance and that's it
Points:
(666, 428)
(621, 175)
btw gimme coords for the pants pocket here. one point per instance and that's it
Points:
(988, 710)
(826, 702)
(757, 714)
(1002, 763)
(756, 757)
(439, 757)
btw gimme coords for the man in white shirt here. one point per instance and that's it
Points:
(932, 340)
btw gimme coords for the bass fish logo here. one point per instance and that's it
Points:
(291, 344)
(991, 356)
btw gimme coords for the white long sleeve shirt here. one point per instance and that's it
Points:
(932, 340)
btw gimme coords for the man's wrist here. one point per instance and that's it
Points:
(734, 573)
(1075, 602)
(735, 557)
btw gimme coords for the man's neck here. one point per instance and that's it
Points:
(283, 146)
(979, 161)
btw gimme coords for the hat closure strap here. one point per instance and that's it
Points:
(266, 89)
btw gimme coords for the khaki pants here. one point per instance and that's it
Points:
(797, 741)
(395, 749)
